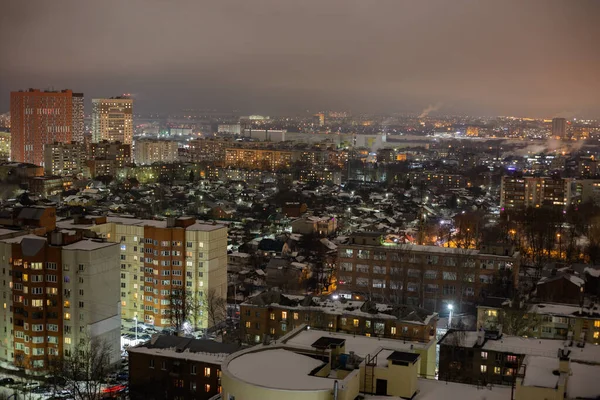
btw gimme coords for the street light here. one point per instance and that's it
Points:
(450, 307)
(559, 245)
(135, 319)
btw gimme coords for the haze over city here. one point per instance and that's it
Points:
(527, 58)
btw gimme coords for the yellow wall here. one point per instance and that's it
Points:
(538, 393)
(427, 361)
(245, 391)
(401, 381)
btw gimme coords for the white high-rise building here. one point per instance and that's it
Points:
(112, 119)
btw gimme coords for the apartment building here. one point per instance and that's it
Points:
(58, 292)
(547, 320)
(107, 157)
(4, 144)
(64, 158)
(208, 150)
(424, 276)
(265, 159)
(184, 368)
(162, 258)
(273, 314)
(112, 119)
(523, 192)
(149, 151)
(42, 117)
(491, 358)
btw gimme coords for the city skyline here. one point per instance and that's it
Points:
(481, 59)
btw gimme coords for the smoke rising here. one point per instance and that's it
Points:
(430, 109)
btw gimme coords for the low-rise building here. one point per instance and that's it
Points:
(314, 364)
(170, 367)
(542, 320)
(272, 314)
(489, 357)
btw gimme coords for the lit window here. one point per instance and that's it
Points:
(356, 322)
(596, 335)
(597, 324)
(497, 370)
(248, 324)
(67, 340)
(272, 316)
(484, 355)
(483, 369)
(207, 372)
(393, 330)
(284, 315)
(207, 387)
(295, 315)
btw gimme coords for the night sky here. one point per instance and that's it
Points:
(504, 57)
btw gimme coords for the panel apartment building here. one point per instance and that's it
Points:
(159, 257)
(424, 276)
(57, 292)
(529, 191)
(112, 119)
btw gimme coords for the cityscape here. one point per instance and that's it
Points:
(328, 201)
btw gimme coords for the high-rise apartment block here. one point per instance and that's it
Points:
(64, 158)
(112, 119)
(58, 292)
(78, 117)
(559, 128)
(149, 151)
(42, 117)
(4, 144)
(529, 191)
(160, 258)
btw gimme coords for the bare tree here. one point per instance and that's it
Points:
(83, 371)
(178, 309)
(215, 307)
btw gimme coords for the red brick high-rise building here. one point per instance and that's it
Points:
(42, 117)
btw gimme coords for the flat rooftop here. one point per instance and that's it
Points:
(278, 368)
(360, 345)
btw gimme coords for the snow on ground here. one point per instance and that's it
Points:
(279, 369)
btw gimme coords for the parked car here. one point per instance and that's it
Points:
(7, 381)
(30, 385)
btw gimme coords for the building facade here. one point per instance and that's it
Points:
(177, 368)
(272, 315)
(424, 276)
(149, 151)
(64, 158)
(523, 192)
(59, 293)
(159, 259)
(112, 119)
(42, 117)
(265, 159)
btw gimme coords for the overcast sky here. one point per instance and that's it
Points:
(501, 57)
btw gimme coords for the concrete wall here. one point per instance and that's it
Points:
(245, 391)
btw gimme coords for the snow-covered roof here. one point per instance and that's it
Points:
(360, 345)
(279, 369)
(540, 372)
(212, 358)
(583, 382)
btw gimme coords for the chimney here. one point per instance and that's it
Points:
(564, 364)
(480, 337)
